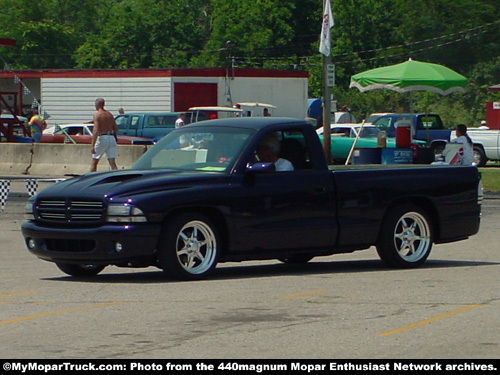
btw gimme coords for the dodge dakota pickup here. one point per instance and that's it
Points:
(202, 195)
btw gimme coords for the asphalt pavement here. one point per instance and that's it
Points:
(341, 306)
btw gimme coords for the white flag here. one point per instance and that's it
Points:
(324, 45)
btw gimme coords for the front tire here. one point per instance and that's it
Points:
(80, 270)
(406, 237)
(190, 247)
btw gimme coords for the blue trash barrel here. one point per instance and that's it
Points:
(366, 156)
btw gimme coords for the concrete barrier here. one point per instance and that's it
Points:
(14, 158)
(51, 159)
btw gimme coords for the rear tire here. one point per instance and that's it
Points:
(190, 247)
(479, 157)
(81, 270)
(406, 238)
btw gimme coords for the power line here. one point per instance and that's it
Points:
(465, 34)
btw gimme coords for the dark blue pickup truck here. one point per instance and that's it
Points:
(202, 196)
(426, 127)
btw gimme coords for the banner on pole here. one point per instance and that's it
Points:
(328, 22)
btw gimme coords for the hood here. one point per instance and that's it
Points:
(123, 183)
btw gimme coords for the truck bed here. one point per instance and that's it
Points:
(363, 193)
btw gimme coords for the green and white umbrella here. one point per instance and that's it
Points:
(410, 76)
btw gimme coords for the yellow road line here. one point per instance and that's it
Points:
(17, 320)
(15, 294)
(427, 321)
(298, 295)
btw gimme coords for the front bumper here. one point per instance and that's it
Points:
(93, 245)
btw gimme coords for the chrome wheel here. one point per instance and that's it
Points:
(190, 246)
(406, 237)
(196, 247)
(412, 237)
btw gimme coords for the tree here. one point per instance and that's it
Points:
(256, 29)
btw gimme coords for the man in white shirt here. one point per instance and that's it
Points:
(268, 152)
(180, 122)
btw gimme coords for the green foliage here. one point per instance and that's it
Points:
(490, 178)
(114, 34)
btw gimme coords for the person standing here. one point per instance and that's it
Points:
(467, 146)
(181, 120)
(103, 136)
(37, 126)
(179, 123)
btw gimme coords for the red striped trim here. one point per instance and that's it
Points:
(190, 72)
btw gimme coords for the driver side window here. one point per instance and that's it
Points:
(286, 149)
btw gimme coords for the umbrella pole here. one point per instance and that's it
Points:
(354, 143)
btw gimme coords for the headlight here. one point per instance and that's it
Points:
(125, 213)
(28, 209)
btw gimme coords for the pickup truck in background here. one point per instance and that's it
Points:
(426, 127)
(486, 145)
(151, 125)
(343, 136)
(202, 196)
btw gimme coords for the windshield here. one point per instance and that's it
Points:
(369, 132)
(213, 149)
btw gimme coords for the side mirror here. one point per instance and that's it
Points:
(261, 168)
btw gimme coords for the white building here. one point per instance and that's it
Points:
(68, 95)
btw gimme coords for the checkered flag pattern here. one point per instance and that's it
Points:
(31, 186)
(4, 193)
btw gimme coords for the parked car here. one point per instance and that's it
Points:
(82, 133)
(151, 125)
(343, 137)
(203, 113)
(200, 196)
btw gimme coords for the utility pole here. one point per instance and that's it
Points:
(327, 110)
(328, 79)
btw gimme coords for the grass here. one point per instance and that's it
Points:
(490, 178)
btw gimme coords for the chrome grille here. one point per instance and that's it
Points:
(70, 210)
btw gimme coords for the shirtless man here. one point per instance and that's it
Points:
(103, 136)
